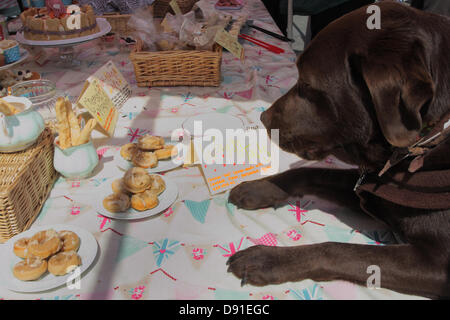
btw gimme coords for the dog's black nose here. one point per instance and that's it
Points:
(266, 118)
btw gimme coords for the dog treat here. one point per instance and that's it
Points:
(117, 202)
(7, 108)
(75, 130)
(63, 124)
(117, 186)
(145, 159)
(63, 263)
(150, 143)
(166, 152)
(136, 180)
(144, 201)
(158, 185)
(30, 269)
(85, 134)
(128, 150)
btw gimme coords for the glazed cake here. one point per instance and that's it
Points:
(41, 25)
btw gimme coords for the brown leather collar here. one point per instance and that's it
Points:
(430, 136)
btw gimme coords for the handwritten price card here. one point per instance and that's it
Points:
(221, 178)
(100, 106)
(113, 83)
(230, 42)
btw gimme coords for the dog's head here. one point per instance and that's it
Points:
(362, 91)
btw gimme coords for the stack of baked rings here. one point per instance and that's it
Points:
(47, 250)
(148, 151)
(137, 189)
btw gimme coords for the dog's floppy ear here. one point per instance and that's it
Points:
(400, 87)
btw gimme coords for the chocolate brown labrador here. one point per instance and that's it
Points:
(363, 96)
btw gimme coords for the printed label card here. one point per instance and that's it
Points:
(113, 83)
(97, 102)
(242, 155)
(230, 42)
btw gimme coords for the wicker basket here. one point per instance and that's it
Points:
(161, 7)
(177, 68)
(26, 179)
(119, 22)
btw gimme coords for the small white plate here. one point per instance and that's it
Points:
(163, 165)
(166, 199)
(87, 251)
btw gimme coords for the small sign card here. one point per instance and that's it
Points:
(113, 83)
(250, 160)
(230, 42)
(97, 102)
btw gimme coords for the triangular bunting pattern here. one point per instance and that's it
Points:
(198, 209)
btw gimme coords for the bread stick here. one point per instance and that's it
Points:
(86, 132)
(63, 124)
(75, 130)
(7, 108)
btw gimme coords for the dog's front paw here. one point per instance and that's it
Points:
(261, 265)
(257, 194)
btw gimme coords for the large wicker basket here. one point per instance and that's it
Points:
(161, 7)
(177, 68)
(26, 179)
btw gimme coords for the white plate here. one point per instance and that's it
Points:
(213, 120)
(104, 26)
(23, 56)
(163, 165)
(166, 199)
(87, 251)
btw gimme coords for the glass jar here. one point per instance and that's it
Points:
(42, 93)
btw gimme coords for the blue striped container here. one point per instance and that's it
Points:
(11, 54)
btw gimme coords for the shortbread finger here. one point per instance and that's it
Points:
(75, 130)
(7, 108)
(85, 135)
(63, 124)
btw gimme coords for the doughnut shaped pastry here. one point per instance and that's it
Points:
(32, 268)
(117, 202)
(71, 242)
(136, 180)
(167, 152)
(128, 150)
(158, 185)
(63, 263)
(150, 143)
(145, 159)
(144, 201)
(44, 244)
(21, 247)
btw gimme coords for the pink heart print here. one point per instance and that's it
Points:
(56, 6)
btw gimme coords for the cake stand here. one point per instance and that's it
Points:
(66, 47)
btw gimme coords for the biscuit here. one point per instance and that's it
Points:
(128, 150)
(144, 201)
(117, 202)
(150, 143)
(136, 180)
(145, 159)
